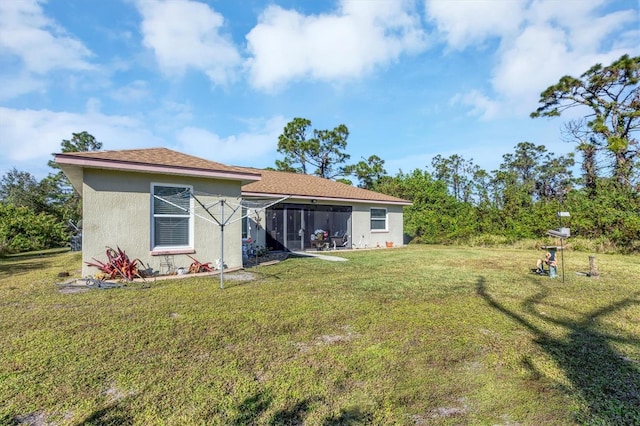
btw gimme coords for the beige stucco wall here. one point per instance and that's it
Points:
(361, 226)
(117, 212)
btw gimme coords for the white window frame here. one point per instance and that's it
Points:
(190, 214)
(379, 219)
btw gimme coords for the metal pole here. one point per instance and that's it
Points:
(561, 247)
(302, 228)
(562, 254)
(222, 244)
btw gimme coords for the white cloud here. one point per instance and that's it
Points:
(530, 65)
(286, 45)
(20, 85)
(39, 43)
(186, 34)
(29, 136)
(242, 149)
(479, 104)
(551, 47)
(588, 31)
(466, 23)
(553, 39)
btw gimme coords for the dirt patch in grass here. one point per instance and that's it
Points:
(461, 408)
(81, 285)
(73, 288)
(33, 419)
(115, 394)
(328, 339)
(241, 276)
(450, 411)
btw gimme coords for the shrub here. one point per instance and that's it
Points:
(21, 229)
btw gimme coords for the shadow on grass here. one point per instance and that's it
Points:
(352, 416)
(19, 266)
(38, 253)
(293, 415)
(263, 274)
(114, 414)
(252, 408)
(605, 382)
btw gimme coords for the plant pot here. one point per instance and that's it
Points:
(389, 243)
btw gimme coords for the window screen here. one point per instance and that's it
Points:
(378, 219)
(172, 219)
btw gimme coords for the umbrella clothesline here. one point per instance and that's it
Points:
(220, 220)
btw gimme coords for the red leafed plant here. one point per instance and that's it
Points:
(197, 266)
(118, 265)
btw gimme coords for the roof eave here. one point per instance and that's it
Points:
(325, 198)
(74, 174)
(84, 162)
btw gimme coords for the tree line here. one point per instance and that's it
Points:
(37, 215)
(454, 200)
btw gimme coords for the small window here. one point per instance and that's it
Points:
(378, 219)
(172, 212)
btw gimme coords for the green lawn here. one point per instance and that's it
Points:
(421, 335)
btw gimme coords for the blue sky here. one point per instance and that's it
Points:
(220, 78)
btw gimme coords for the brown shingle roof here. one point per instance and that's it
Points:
(309, 186)
(155, 160)
(256, 182)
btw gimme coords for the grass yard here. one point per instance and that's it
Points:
(424, 335)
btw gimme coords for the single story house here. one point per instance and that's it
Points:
(350, 216)
(162, 206)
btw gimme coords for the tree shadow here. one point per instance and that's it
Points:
(293, 415)
(349, 417)
(251, 408)
(20, 266)
(37, 254)
(607, 383)
(113, 414)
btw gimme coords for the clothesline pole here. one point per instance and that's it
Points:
(222, 244)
